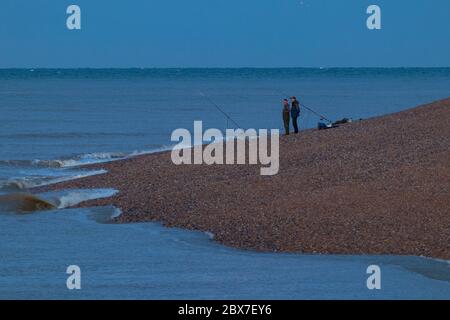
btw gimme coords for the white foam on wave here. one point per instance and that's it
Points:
(57, 169)
(39, 181)
(69, 198)
(61, 199)
(84, 159)
(210, 235)
(94, 158)
(73, 198)
(144, 152)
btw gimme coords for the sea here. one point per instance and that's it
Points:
(55, 121)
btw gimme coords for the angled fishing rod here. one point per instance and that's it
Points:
(220, 109)
(316, 113)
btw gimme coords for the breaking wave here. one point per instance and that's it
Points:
(69, 198)
(85, 159)
(24, 183)
(22, 175)
(80, 160)
(28, 203)
(24, 203)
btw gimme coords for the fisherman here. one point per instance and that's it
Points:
(286, 116)
(295, 112)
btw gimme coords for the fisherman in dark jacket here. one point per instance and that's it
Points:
(295, 112)
(286, 116)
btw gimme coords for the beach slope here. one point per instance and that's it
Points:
(378, 186)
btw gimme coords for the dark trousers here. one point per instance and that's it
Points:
(295, 124)
(286, 121)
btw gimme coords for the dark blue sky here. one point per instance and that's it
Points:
(224, 33)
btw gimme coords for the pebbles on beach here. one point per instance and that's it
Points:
(378, 186)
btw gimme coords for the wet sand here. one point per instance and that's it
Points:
(378, 186)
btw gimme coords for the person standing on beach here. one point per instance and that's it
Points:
(295, 112)
(286, 115)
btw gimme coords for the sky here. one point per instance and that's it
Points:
(224, 33)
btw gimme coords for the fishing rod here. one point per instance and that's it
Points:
(220, 109)
(322, 117)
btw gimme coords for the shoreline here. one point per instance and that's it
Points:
(377, 186)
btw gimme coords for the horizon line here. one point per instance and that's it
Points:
(237, 68)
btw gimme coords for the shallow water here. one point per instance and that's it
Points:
(148, 261)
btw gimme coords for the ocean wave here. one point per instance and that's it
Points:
(99, 157)
(84, 159)
(16, 163)
(69, 198)
(94, 158)
(81, 160)
(28, 203)
(24, 203)
(61, 170)
(24, 183)
(155, 150)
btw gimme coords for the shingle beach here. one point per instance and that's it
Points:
(377, 186)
